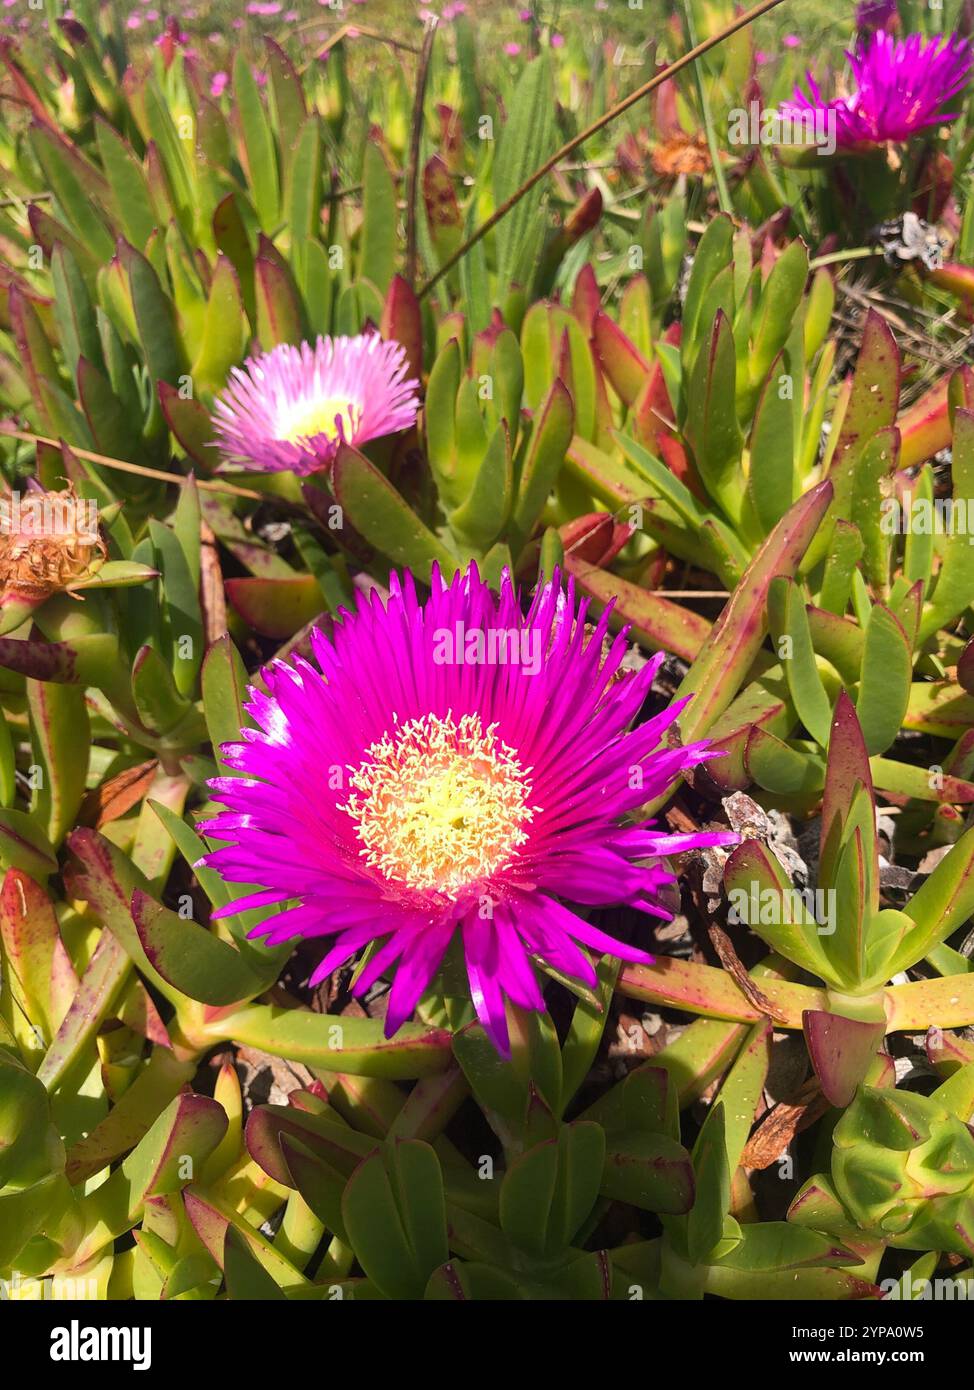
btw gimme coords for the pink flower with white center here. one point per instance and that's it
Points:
(291, 408)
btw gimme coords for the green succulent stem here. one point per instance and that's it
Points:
(865, 1008)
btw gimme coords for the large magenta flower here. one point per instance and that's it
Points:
(291, 408)
(902, 86)
(453, 764)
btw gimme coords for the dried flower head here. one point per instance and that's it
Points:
(681, 154)
(48, 540)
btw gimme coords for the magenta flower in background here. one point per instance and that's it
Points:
(172, 36)
(410, 788)
(218, 83)
(292, 407)
(901, 87)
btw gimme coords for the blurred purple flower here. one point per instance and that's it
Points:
(218, 83)
(875, 14)
(512, 49)
(172, 36)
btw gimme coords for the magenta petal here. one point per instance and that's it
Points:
(484, 987)
(517, 975)
(573, 926)
(413, 976)
(344, 948)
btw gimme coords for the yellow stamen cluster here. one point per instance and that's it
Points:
(318, 417)
(440, 804)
